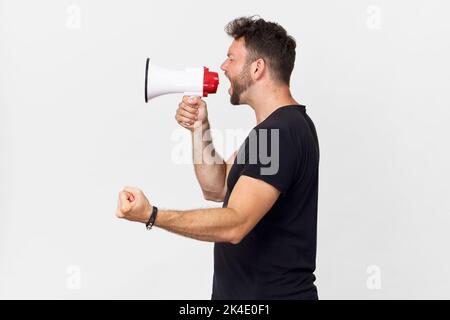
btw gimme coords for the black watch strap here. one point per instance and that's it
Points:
(151, 220)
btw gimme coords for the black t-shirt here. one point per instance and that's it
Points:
(277, 258)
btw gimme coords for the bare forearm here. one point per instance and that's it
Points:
(210, 168)
(213, 225)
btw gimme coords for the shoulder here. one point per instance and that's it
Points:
(288, 120)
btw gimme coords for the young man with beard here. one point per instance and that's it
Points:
(265, 232)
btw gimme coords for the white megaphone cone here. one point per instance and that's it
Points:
(190, 81)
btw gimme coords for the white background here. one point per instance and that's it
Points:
(374, 76)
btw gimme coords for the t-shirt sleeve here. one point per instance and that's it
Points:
(271, 155)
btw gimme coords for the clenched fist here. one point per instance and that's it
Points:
(191, 112)
(133, 205)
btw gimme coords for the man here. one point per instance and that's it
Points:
(265, 232)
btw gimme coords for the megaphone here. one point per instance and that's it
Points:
(190, 81)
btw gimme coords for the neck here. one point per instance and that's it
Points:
(270, 99)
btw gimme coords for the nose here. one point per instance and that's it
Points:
(223, 66)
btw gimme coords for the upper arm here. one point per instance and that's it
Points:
(220, 196)
(251, 199)
(228, 165)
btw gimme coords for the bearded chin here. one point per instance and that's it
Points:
(238, 90)
(235, 98)
(240, 87)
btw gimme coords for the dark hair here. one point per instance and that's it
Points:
(267, 40)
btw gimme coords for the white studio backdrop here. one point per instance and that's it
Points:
(374, 76)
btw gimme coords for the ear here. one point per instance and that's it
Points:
(258, 68)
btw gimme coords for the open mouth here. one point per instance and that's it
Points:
(230, 89)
